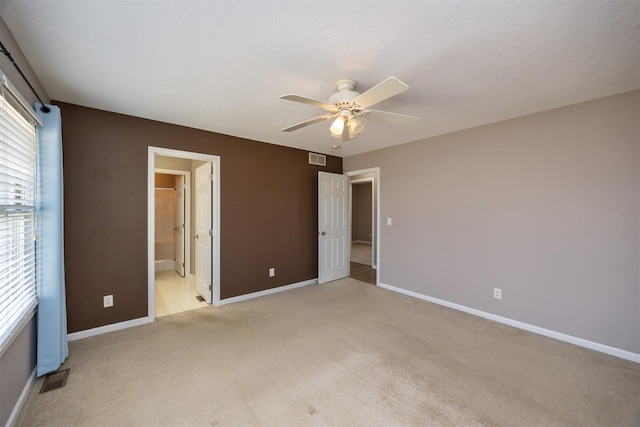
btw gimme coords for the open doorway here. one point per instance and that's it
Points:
(172, 220)
(361, 262)
(175, 287)
(364, 225)
(180, 276)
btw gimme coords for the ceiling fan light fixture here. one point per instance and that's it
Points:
(337, 126)
(355, 126)
(341, 121)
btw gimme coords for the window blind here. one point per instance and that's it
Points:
(17, 213)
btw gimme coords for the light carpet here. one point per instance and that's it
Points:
(344, 353)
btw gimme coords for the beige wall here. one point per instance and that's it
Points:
(16, 366)
(19, 360)
(545, 207)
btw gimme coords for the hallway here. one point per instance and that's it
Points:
(361, 257)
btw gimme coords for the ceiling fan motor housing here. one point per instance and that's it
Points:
(345, 93)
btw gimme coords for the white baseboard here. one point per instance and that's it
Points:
(266, 292)
(623, 354)
(108, 328)
(165, 265)
(17, 408)
(143, 320)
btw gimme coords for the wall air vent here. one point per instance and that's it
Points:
(317, 159)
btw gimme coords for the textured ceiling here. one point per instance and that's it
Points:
(221, 65)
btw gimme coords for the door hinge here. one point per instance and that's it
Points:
(210, 287)
(211, 232)
(211, 177)
(183, 265)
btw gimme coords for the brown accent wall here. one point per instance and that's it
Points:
(268, 215)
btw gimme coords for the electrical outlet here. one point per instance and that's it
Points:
(497, 293)
(272, 272)
(107, 301)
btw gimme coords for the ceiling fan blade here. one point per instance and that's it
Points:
(310, 101)
(308, 122)
(394, 118)
(383, 90)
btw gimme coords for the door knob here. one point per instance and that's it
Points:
(323, 233)
(195, 236)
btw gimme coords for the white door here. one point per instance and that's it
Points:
(203, 232)
(333, 227)
(179, 228)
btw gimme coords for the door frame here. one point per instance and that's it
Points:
(187, 214)
(376, 176)
(215, 249)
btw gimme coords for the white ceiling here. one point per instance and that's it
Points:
(221, 65)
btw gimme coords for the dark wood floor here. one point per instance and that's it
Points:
(362, 272)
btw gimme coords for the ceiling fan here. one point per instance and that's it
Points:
(348, 106)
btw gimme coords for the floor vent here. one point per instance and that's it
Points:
(199, 298)
(54, 381)
(317, 159)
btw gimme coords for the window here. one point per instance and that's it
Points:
(17, 213)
